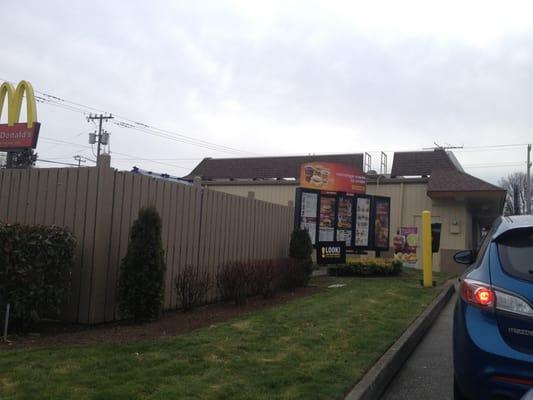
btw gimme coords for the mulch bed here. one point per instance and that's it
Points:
(170, 324)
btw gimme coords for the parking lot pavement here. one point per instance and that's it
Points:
(428, 373)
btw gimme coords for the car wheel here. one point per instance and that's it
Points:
(457, 395)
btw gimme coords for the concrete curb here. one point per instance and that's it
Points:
(376, 380)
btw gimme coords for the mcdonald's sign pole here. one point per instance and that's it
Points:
(427, 254)
(16, 136)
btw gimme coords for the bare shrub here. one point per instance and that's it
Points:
(192, 285)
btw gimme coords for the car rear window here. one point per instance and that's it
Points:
(516, 253)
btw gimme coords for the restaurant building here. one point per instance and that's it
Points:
(433, 180)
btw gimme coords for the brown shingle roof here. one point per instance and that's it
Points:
(453, 180)
(445, 172)
(265, 167)
(420, 163)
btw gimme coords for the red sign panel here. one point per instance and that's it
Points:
(18, 136)
(332, 177)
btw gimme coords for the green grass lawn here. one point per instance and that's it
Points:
(312, 348)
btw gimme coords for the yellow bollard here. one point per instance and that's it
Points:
(427, 255)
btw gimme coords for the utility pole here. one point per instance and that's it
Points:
(101, 137)
(79, 160)
(528, 181)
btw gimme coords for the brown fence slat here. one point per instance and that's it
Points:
(5, 179)
(114, 247)
(14, 196)
(104, 216)
(80, 200)
(51, 194)
(88, 247)
(29, 219)
(22, 198)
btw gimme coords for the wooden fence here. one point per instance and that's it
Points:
(99, 204)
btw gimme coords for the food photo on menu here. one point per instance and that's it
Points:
(344, 220)
(382, 225)
(327, 217)
(316, 175)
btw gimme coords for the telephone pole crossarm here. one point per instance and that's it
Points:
(99, 136)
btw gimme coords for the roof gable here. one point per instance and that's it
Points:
(420, 163)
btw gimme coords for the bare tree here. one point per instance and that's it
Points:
(515, 184)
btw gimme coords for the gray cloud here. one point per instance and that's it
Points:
(295, 81)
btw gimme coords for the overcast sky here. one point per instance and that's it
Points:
(279, 77)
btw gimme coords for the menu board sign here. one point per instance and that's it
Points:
(405, 243)
(327, 218)
(344, 220)
(332, 177)
(308, 213)
(362, 222)
(382, 223)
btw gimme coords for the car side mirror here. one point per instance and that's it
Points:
(464, 257)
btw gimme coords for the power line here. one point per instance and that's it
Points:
(133, 157)
(179, 136)
(56, 162)
(495, 165)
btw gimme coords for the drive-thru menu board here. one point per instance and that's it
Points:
(308, 213)
(362, 222)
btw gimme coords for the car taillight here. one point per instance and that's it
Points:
(477, 293)
(513, 304)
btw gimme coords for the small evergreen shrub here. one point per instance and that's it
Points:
(301, 249)
(142, 272)
(35, 269)
(192, 286)
(368, 267)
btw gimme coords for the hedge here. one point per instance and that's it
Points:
(35, 268)
(236, 281)
(367, 267)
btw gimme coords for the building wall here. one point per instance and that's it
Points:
(408, 200)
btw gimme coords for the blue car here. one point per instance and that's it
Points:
(493, 318)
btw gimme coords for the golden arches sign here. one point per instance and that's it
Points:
(15, 135)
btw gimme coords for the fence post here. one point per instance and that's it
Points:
(197, 182)
(6, 323)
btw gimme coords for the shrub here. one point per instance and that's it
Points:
(35, 268)
(192, 286)
(142, 271)
(301, 248)
(368, 267)
(237, 281)
(264, 277)
(234, 282)
(295, 273)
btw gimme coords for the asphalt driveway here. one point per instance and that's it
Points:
(428, 373)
